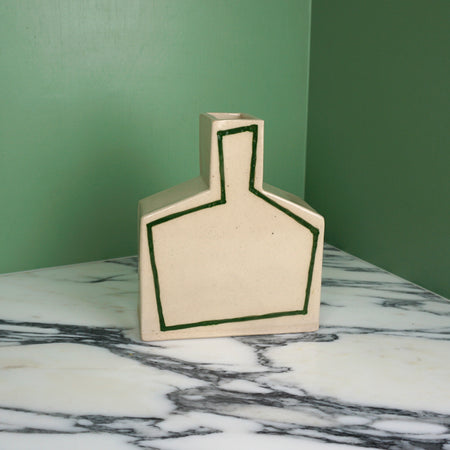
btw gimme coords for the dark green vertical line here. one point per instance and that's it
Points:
(162, 323)
(311, 269)
(253, 161)
(221, 168)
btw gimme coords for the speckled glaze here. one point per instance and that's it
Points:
(74, 373)
(226, 254)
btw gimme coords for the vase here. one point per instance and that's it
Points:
(225, 253)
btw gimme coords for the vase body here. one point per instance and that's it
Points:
(225, 254)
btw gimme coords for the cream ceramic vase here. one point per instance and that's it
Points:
(226, 254)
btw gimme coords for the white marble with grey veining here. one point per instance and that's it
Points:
(74, 374)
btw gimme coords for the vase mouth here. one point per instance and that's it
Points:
(231, 116)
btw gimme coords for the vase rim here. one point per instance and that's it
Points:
(231, 116)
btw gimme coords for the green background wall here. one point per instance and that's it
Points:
(100, 102)
(378, 134)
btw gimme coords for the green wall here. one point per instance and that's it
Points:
(378, 133)
(100, 102)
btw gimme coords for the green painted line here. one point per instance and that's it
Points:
(315, 234)
(235, 319)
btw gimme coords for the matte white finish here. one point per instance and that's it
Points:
(226, 254)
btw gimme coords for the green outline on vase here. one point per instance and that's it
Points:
(315, 233)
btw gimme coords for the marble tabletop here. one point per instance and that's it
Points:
(75, 375)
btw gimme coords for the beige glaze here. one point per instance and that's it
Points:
(226, 254)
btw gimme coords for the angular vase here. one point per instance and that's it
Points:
(226, 254)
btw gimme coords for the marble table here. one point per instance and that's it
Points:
(75, 375)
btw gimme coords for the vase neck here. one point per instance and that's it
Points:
(231, 153)
(238, 155)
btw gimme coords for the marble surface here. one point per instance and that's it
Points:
(74, 374)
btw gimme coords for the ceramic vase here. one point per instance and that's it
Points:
(225, 253)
